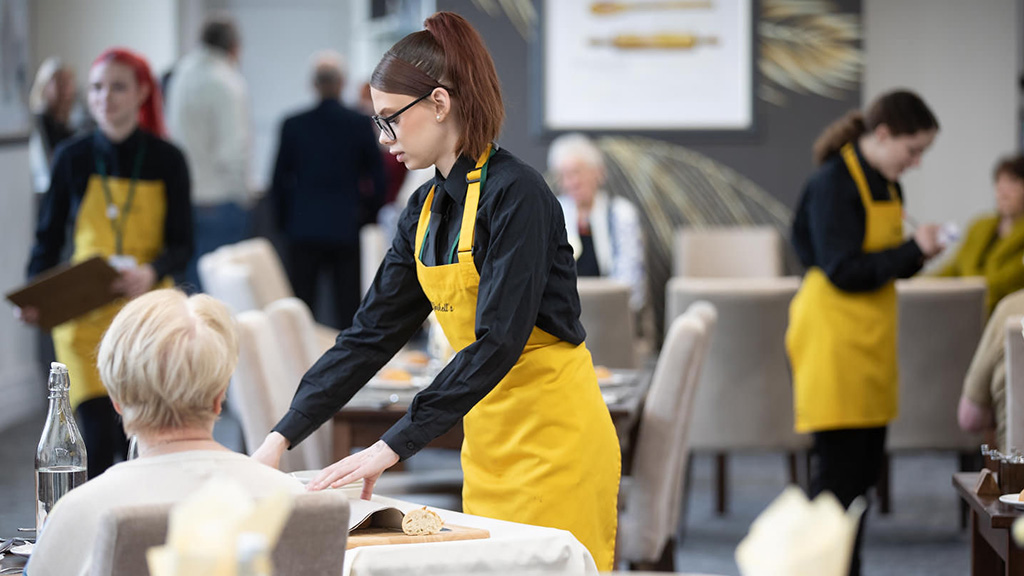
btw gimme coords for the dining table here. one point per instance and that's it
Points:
(511, 548)
(993, 551)
(381, 403)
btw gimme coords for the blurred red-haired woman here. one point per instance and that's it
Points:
(483, 246)
(125, 192)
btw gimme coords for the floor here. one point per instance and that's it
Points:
(920, 536)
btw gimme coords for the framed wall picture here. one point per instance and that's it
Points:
(15, 76)
(647, 65)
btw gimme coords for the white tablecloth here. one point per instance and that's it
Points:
(511, 549)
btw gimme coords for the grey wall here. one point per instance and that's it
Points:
(777, 157)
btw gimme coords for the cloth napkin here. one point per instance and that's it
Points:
(797, 537)
(203, 531)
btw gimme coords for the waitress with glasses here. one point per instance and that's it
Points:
(483, 246)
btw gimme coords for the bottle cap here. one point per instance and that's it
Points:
(57, 366)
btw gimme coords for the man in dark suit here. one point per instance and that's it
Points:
(325, 158)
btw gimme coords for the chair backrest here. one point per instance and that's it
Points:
(608, 320)
(940, 324)
(247, 275)
(661, 452)
(745, 398)
(261, 387)
(312, 542)
(227, 281)
(727, 252)
(1014, 347)
(299, 348)
(373, 245)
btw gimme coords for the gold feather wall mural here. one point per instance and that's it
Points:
(805, 46)
(674, 186)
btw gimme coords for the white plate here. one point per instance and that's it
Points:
(1012, 500)
(23, 550)
(616, 379)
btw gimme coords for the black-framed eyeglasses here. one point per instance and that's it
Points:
(384, 124)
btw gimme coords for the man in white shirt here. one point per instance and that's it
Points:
(208, 116)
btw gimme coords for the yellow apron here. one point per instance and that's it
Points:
(842, 345)
(75, 342)
(540, 448)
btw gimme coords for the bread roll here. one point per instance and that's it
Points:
(395, 374)
(421, 522)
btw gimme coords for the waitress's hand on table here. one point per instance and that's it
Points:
(366, 465)
(135, 281)
(270, 452)
(27, 315)
(927, 238)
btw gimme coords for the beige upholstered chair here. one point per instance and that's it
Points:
(262, 388)
(249, 276)
(312, 542)
(295, 333)
(608, 320)
(940, 324)
(648, 523)
(745, 399)
(1014, 346)
(373, 245)
(941, 321)
(727, 252)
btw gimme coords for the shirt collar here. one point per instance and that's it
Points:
(104, 144)
(455, 184)
(870, 173)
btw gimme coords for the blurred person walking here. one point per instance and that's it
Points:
(51, 100)
(208, 116)
(324, 155)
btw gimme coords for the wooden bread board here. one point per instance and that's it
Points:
(383, 536)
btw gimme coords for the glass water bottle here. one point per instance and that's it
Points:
(60, 456)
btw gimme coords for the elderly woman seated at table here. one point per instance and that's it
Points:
(994, 245)
(166, 361)
(604, 230)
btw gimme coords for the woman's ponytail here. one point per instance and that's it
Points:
(838, 134)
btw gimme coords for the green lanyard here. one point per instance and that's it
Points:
(118, 215)
(455, 245)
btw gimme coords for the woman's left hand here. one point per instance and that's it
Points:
(366, 465)
(135, 282)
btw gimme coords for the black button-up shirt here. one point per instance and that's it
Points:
(829, 228)
(527, 279)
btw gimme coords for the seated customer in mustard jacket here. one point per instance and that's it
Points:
(994, 246)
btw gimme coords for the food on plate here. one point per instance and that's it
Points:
(603, 373)
(415, 358)
(421, 522)
(1021, 496)
(395, 374)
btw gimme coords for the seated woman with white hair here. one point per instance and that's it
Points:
(604, 230)
(166, 361)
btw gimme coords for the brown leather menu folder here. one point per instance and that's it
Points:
(67, 291)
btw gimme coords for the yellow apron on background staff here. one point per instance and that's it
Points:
(540, 448)
(75, 342)
(842, 345)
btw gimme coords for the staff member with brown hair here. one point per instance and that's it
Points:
(484, 246)
(848, 231)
